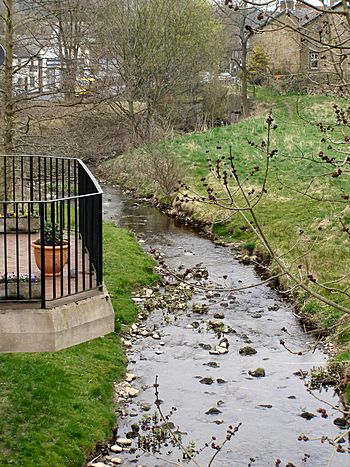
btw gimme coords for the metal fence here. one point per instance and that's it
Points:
(44, 198)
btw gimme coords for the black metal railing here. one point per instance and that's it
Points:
(44, 198)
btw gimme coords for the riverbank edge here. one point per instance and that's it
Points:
(56, 407)
(189, 215)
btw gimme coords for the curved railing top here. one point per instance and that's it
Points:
(41, 178)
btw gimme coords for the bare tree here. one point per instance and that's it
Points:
(156, 55)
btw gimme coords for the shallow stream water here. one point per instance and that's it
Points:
(269, 408)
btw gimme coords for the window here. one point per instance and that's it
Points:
(51, 77)
(33, 68)
(314, 60)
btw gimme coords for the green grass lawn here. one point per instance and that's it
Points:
(55, 407)
(296, 182)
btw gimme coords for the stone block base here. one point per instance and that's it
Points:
(36, 330)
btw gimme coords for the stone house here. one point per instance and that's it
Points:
(297, 40)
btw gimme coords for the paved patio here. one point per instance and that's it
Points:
(20, 259)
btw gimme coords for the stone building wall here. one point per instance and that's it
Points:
(281, 44)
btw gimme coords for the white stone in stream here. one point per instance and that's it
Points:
(161, 343)
(114, 460)
(189, 326)
(97, 464)
(156, 336)
(148, 293)
(137, 299)
(127, 343)
(123, 442)
(132, 392)
(159, 352)
(221, 350)
(213, 352)
(129, 377)
(116, 448)
(134, 327)
(144, 333)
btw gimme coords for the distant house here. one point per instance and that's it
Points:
(38, 68)
(297, 40)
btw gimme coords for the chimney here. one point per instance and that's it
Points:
(286, 5)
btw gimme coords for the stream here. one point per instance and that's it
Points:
(271, 409)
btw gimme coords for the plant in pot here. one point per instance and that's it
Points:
(55, 250)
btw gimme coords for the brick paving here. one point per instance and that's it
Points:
(20, 259)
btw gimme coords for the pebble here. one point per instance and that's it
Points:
(340, 421)
(148, 292)
(116, 448)
(127, 343)
(159, 352)
(213, 411)
(221, 381)
(219, 421)
(125, 442)
(156, 336)
(224, 343)
(247, 351)
(132, 392)
(144, 333)
(307, 415)
(114, 460)
(129, 377)
(97, 464)
(221, 350)
(205, 346)
(219, 316)
(212, 364)
(258, 373)
(206, 380)
(146, 406)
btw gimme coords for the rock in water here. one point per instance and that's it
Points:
(213, 411)
(307, 415)
(258, 373)
(247, 350)
(207, 380)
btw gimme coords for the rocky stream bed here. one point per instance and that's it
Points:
(220, 367)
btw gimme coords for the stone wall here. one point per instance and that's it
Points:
(281, 44)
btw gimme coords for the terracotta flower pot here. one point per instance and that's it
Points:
(52, 268)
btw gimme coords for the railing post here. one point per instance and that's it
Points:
(99, 266)
(42, 253)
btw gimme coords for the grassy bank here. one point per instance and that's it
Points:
(55, 407)
(300, 211)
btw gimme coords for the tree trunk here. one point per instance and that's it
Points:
(244, 80)
(8, 115)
